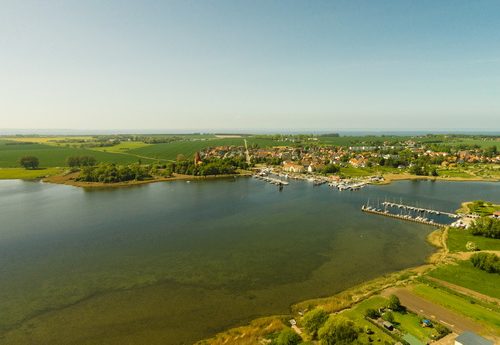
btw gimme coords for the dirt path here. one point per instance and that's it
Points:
(465, 291)
(455, 322)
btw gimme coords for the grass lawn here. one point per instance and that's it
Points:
(454, 172)
(357, 314)
(458, 238)
(21, 173)
(461, 305)
(410, 323)
(483, 209)
(466, 275)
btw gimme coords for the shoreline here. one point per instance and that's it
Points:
(70, 180)
(389, 178)
(349, 297)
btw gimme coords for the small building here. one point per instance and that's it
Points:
(388, 325)
(426, 323)
(496, 215)
(471, 338)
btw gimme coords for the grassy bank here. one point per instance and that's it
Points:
(32, 174)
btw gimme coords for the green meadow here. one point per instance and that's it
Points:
(458, 238)
(460, 304)
(466, 275)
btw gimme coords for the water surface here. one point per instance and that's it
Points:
(171, 263)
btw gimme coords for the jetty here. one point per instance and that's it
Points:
(386, 213)
(271, 180)
(419, 209)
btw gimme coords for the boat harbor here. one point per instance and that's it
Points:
(406, 217)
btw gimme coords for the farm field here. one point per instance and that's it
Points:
(188, 148)
(461, 305)
(122, 147)
(54, 156)
(466, 275)
(457, 239)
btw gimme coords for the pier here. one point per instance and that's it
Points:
(401, 217)
(271, 180)
(419, 209)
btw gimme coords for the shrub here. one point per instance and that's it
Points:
(288, 337)
(338, 330)
(488, 262)
(372, 313)
(313, 320)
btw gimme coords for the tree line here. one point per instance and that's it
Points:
(488, 262)
(486, 227)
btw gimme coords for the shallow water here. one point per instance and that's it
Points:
(171, 263)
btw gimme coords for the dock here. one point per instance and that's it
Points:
(271, 180)
(401, 217)
(419, 209)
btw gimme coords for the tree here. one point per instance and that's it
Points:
(338, 330)
(394, 303)
(29, 162)
(372, 313)
(313, 320)
(288, 337)
(388, 316)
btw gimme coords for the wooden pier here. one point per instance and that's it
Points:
(397, 216)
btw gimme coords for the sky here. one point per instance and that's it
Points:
(250, 65)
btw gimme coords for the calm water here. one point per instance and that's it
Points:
(170, 263)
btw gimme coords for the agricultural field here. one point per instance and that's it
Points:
(489, 317)
(189, 148)
(122, 147)
(466, 275)
(458, 238)
(49, 140)
(54, 156)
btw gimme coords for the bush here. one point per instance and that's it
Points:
(313, 320)
(338, 330)
(80, 161)
(486, 227)
(372, 313)
(288, 337)
(488, 262)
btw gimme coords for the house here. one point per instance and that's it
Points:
(471, 338)
(496, 215)
(292, 167)
(388, 325)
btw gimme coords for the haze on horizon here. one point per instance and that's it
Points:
(287, 65)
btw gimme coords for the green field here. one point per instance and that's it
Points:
(357, 314)
(188, 148)
(487, 316)
(21, 173)
(466, 275)
(457, 239)
(55, 156)
(122, 147)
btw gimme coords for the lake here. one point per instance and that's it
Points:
(172, 263)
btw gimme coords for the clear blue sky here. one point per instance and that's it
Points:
(250, 64)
